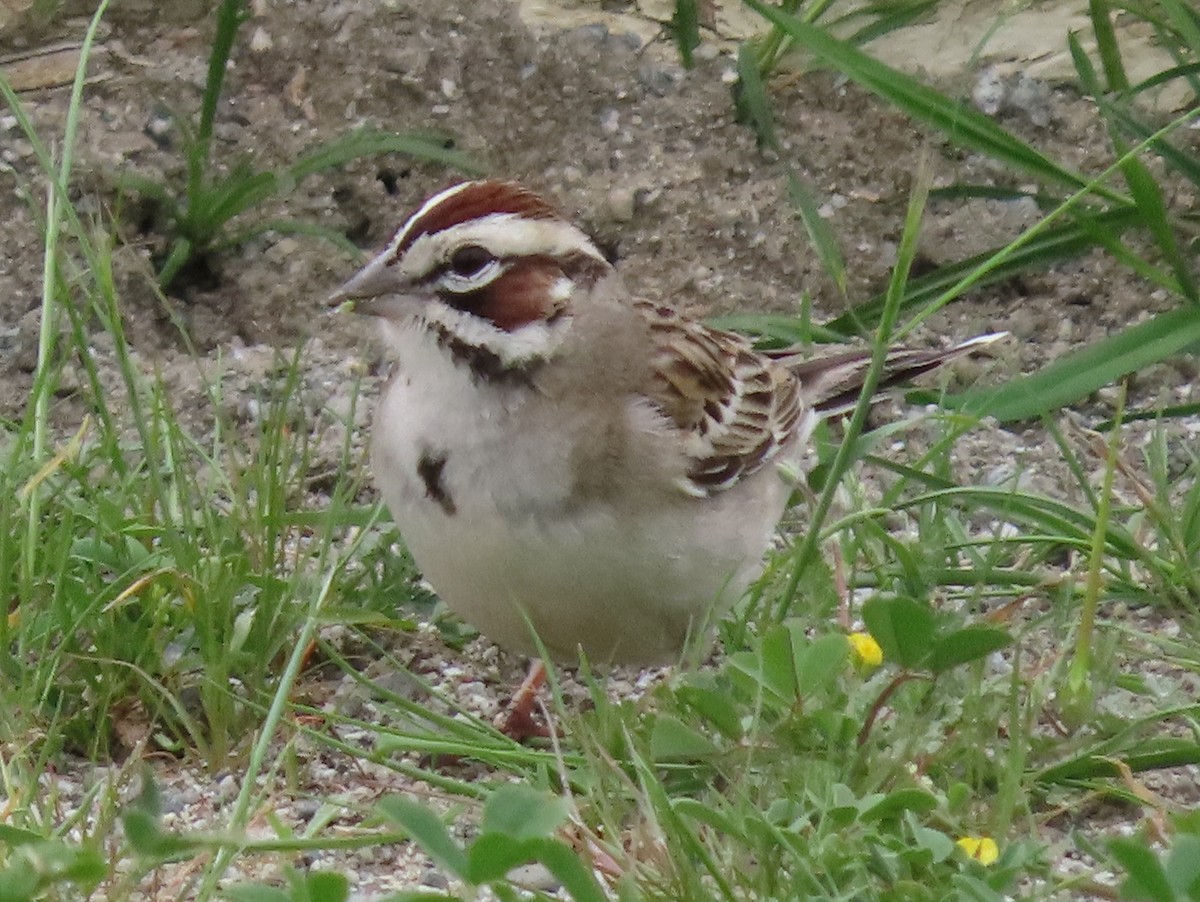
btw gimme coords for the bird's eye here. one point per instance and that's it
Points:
(469, 260)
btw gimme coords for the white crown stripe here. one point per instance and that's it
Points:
(400, 236)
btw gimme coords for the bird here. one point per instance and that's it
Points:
(566, 459)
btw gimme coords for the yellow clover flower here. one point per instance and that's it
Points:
(981, 848)
(865, 649)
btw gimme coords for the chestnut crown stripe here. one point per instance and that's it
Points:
(467, 202)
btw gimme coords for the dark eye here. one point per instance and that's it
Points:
(468, 261)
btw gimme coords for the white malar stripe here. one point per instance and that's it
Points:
(561, 290)
(503, 235)
(536, 340)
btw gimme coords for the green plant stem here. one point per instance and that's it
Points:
(229, 20)
(1078, 683)
(883, 338)
(48, 331)
(266, 735)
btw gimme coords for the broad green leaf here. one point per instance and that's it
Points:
(673, 740)
(1183, 865)
(19, 882)
(775, 655)
(903, 627)
(427, 830)
(972, 889)
(493, 855)
(324, 886)
(523, 812)
(935, 842)
(899, 801)
(15, 836)
(1146, 877)
(713, 701)
(969, 644)
(572, 873)
(56, 861)
(817, 663)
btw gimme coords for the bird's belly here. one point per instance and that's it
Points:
(498, 530)
(624, 590)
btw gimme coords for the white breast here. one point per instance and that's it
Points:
(509, 546)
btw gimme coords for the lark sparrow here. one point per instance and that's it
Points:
(562, 456)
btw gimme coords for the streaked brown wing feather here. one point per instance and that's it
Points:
(739, 407)
(736, 407)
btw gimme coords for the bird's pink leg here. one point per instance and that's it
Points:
(518, 721)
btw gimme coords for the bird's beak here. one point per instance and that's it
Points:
(375, 290)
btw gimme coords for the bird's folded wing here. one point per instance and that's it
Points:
(736, 408)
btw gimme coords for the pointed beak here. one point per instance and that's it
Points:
(375, 290)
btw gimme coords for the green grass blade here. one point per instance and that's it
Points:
(1148, 196)
(906, 253)
(777, 329)
(1052, 245)
(1187, 164)
(292, 227)
(820, 235)
(1187, 71)
(753, 107)
(369, 142)
(132, 183)
(209, 211)
(685, 28)
(1086, 370)
(230, 17)
(1129, 257)
(1142, 186)
(1185, 22)
(888, 18)
(957, 121)
(1106, 41)
(1059, 521)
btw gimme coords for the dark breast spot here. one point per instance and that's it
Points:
(430, 468)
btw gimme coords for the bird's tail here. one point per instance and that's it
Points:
(831, 384)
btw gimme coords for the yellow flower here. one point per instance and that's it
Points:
(865, 649)
(982, 848)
